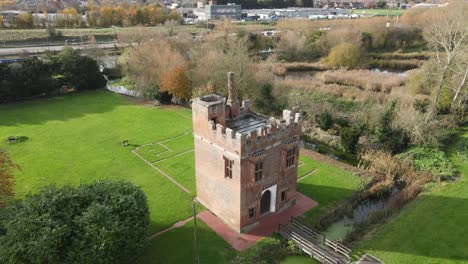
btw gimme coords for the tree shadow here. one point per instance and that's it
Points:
(58, 108)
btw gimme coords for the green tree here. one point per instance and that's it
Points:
(266, 102)
(349, 138)
(80, 72)
(387, 136)
(104, 222)
(381, 4)
(325, 120)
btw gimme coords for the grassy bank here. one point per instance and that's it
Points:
(432, 229)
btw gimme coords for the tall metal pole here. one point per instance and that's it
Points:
(197, 258)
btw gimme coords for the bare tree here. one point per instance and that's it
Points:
(447, 35)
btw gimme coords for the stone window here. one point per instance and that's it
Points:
(258, 170)
(283, 196)
(228, 168)
(251, 213)
(290, 157)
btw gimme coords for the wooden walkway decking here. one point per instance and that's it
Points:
(317, 246)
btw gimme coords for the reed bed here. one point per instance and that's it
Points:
(364, 79)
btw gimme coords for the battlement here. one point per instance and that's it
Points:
(269, 132)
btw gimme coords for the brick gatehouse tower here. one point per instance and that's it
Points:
(245, 163)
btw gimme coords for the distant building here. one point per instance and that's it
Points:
(232, 11)
(212, 11)
(245, 163)
(293, 13)
(10, 16)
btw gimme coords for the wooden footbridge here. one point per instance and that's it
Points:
(317, 246)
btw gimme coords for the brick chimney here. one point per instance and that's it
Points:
(232, 97)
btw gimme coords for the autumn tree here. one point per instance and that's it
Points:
(68, 18)
(6, 179)
(177, 83)
(25, 20)
(345, 55)
(148, 58)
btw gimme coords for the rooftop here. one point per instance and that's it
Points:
(246, 123)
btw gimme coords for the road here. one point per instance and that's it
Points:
(4, 52)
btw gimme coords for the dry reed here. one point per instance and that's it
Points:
(364, 79)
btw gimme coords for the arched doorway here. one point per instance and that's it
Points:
(265, 202)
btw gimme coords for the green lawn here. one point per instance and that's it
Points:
(177, 246)
(299, 260)
(306, 166)
(76, 138)
(379, 12)
(432, 229)
(327, 185)
(182, 169)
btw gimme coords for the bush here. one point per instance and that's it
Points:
(345, 55)
(430, 159)
(30, 77)
(80, 72)
(325, 120)
(462, 149)
(265, 101)
(387, 136)
(421, 105)
(105, 222)
(268, 250)
(349, 138)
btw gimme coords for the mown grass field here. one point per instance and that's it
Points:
(379, 12)
(40, 35)
(77, 138)
(432, 229)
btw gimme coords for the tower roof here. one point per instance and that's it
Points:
(244, 124)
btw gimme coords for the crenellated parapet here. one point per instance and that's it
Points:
(274, 131)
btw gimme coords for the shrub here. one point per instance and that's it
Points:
(349, 138)
(462, 149)
(445, 101)
(80, 72)
(325, 120)
(387, 136)
(105, 221)
(265, 101)
(268, 250)
(177, 83)
(30, 77)
(421, 105)
(345, 55)
(430, 159)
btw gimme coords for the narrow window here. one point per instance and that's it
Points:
(290, 157)
(283, 196)
(258, 170)
(228, 168)
(251, 213)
